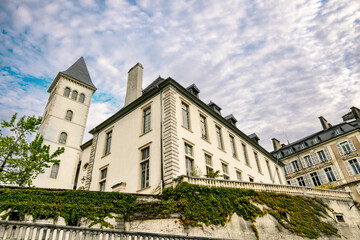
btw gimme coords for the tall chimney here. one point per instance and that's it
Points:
(134, 84)
(356, 112)
(276, 144)
(324, 123)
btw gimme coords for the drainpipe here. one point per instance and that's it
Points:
(161, 143)
(92, 167)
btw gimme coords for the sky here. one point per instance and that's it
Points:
(275, 65)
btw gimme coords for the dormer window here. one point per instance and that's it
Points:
(291, 151)
(337, 131)
(215, 107)
(315, 140)
(193, 90)
(302, 145)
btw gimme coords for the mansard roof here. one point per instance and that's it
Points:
(79, 72)
(316, 139)
(157, 86)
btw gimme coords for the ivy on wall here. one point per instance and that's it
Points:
(197, 205)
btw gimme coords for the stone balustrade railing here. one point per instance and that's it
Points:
(10, 230)
(293, 190)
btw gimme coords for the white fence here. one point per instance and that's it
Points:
(10, 230)
(293, 190)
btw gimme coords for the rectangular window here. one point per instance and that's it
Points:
(278, 174)
(251, 179)
(103, 175)
(204, 133)
(245, 154)
(108, 142)
(257, 162)
(269, 170)
(295, 165)
(219, 137)
(189, 161)
(322, 155)
(147, 120)
(233, 147)
(355, 166)
(225, 170)
(315, 178)
(345, 147)
(185, 115)
(239, 175)
(208, 170)
(307, 161)
(208, 159)
(144, 166)
(330, 175)
(301, 181)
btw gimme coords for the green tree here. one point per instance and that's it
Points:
(212, 174)
(22, 161)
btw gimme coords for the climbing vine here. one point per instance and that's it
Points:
(198, 206)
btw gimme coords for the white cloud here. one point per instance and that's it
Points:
(276, 65)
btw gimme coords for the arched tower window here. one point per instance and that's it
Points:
(67, 92)
(82, 98)
(74, 95)
(69, 115)
(54, 170)
(63, 137)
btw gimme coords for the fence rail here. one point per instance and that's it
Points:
(294, 190)
(11, 230)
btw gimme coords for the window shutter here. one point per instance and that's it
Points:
(293, 182)
(327, 154)
(349, 169)
(336, 174)
(314, 158)
(351, 145)
(309, 180)
(303, 163)
(340, 149)
(322, 176)
(358, 188)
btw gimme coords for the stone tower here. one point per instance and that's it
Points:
(64, 122)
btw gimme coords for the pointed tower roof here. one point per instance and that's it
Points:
(80, 72)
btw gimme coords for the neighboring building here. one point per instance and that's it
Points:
(64, 122)
(162, 132)
(331, 156)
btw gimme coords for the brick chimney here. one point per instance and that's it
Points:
(324, 123)
(356, 112)
(276, 144)
(134, 84)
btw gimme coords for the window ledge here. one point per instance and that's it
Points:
(222, 150)
(248, 165)
(206, 140)
(106, 155)
(189, 129)
(143, 189)
(145, 133)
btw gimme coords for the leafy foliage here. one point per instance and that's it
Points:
(197, 205)
(212, 174)
(20, 161)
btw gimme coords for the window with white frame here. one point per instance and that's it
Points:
(278, 175)
(219, 137)
(301, 181)
(204, 133)
(144, 166)
(355, 166)
(308, 161)
(102, 182)
(257, 162)
(208, 162)
(269, 170)
(238, 175)
(233, 146)
(225, 170)
(315, 178)
(245, 154)
(54, 170)
(295, 165)
(321, 155)
(185, 115)
(147, 120)
(346, 147)
(63, 138)
(69, 115)
(108, 142)
(330, 174)
(189, 159)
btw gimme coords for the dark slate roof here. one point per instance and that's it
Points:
(153, 84)
(80, 72)
(316, 138)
